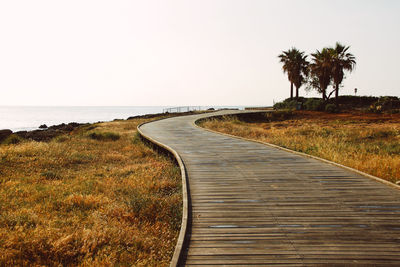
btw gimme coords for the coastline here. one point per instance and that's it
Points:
(46, 133)
(29, 118)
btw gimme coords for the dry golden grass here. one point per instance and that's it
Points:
(367, 142)
(88, 201)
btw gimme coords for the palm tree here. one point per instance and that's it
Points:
(321, 69)
(342, 61)
(300, 70)
(295, 64)
(287, 58)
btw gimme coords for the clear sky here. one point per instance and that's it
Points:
(170, 52)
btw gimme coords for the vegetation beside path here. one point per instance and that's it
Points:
(365, 141)
(96, 196)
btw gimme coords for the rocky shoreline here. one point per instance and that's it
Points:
(45, 134)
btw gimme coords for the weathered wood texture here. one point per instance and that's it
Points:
(257, 205)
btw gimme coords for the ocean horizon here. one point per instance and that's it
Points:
(28, 118)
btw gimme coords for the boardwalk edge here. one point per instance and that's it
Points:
(302, 154)
(177, 257)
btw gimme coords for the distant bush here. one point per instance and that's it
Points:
(13, 139)
(357, 101)
(106, 136)
(390, 104)
(314, 104)
(370, 103)
(386, 103)
(331, 108)
(286, 104)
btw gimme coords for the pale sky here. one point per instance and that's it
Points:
(170, 52)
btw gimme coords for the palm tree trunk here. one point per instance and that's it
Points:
(337, 95)
(291, 90)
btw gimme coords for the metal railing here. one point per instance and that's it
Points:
(181, 109)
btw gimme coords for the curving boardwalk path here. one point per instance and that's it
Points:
(252, 204)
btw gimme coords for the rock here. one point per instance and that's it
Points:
(43, 126)
(211, 109)
(4, 134)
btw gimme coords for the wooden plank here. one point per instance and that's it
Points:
(256, 205)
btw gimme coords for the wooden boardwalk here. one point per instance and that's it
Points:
(252, 204)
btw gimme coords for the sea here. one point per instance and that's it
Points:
(27, 118)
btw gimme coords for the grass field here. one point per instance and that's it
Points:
(97, 196)
(367, 142)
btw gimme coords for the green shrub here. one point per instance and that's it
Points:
(313, 104)
(286, 104)
(105, 136)
(331, 108)
(357, 101)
